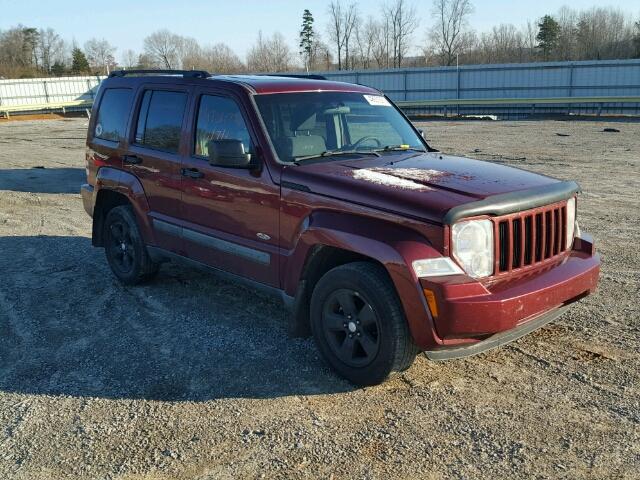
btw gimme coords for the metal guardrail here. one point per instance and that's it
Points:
(62, 106)
(516, 101)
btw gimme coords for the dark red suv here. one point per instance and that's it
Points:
(325, 194)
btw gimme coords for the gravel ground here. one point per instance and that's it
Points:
(193, 377)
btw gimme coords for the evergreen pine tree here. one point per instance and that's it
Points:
(79, 62)
(548, 31)
(57, 69)
(307, 35)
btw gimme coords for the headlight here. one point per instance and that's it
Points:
(571, 221)
(473, 246)
(436, 267)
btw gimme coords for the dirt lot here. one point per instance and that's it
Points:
(192, 377)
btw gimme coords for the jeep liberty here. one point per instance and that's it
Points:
(325, 194)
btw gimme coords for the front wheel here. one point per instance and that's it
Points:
(125, 250)
(358, 324)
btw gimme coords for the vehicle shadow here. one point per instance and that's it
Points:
(42, 180)
(67, 327)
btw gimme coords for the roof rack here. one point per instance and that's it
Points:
(310, 76)
(184, 73)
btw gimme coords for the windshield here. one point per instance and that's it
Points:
(321, 124)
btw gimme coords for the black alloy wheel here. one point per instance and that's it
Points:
(351, 327)
(359, 325)
(121, 248)
(125, 249)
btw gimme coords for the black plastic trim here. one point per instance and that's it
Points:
(184, 73)
(227, 247)
(309, 76)
(168, 228)
(450, 353)
(295, 186)
(513, 201)
(213, 242)
(160, 255)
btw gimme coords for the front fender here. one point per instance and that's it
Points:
(393, 246)
(126, 184)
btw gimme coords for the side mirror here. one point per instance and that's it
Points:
(228, 153)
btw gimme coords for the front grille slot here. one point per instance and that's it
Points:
(516, 228)
(528, 238)
(504, 240)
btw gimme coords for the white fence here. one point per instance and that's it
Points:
(35, 94)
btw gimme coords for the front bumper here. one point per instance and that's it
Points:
(467, 350)
(470, 312)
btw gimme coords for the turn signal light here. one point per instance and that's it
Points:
(431, 301)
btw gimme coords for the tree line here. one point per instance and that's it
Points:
(347, 40)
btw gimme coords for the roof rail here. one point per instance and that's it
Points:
(184, 73)
(310, 76)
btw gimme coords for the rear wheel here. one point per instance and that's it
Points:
(125, 250)
(358, 323)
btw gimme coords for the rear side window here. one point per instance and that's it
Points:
(113, 114)
(160, 120)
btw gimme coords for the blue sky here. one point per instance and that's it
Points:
(126, 23)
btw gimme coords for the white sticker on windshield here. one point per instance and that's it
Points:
(377, 100)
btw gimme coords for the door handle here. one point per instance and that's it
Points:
(192, 173)
(131, 159)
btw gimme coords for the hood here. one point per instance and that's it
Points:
(420, 185)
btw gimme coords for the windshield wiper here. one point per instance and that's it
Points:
(332, 153)
(399, 148)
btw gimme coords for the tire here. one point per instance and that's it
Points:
(358, 324)
(125, 250)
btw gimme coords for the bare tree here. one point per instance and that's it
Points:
(145, 61)
(18, 47)
(529, 32)
(221, 59)
(366, 34)
(449, 35)
(321, 58)
(336, 28)
(100, 54)
(350, 22)
(382, 41)
(504, 43)
(342, 25)
(269, 54)
(130, 59)
(604, 33)
(49, 48)
(217, 58)
(403, 23)
(165, 49)
(567, 20)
